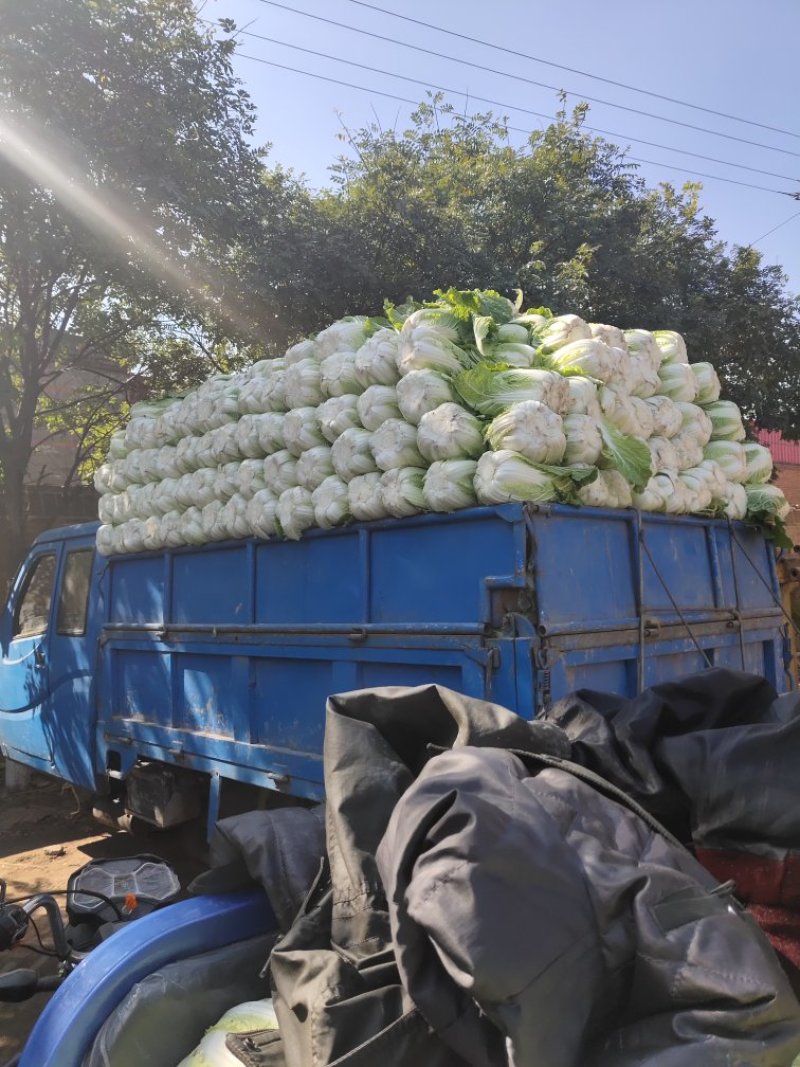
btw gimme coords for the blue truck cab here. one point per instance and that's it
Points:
(156, 679)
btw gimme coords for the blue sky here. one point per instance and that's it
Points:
(733, 56)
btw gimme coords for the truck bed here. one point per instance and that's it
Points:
(221, 658)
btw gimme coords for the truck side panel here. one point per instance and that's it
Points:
(221, 658)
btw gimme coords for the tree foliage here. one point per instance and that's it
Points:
(126, 176)
(565, 218)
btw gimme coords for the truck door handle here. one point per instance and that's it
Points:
(38, 656)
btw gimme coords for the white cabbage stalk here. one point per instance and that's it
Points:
(449, 485)
(655, 494)
(609, 335)
(376, 360)
(582, 398)
(514, 354)
(304, 384)
(166, 427)
(251, 478)
(699, 488)
(491, 392)
(401, 489)
(584, 440)
(530, 429)
(621, 375)
(212, 520)
(735, 502)
(247, 439)
(308, 349)
(171, 535)
(165, 463)
(262, 514)
(420, 391)
(227, 480)
(314, 466)
(394, 444)
(106, 507)
(616, 406)
(198, 488)
(531, 320)
(301, 430)
(766, 502)
(295, 512)
(339, 375)
(642, 380)
(117, 449)
(726, 420)
(338, 414)
(133, 532)
(695, 422)
(449, 432)
(377, 404)
(351, 453)
(608, 490)
(644, 346)
(590, 358)
(428, 340)
(426, 349)
(187, 451)
(708, 383)
(672, 345)
(677, 382)
(717, 482)
(110, 477)
(512, 333)
(680, 499)
(280, 471)
(559, 331)
(667, 416)
(364, 497)
(234, 517)
(192, 530)
(731, 457)
(329, 499)
(224, 447)
(759, 463)
(664, 455)
(503, 476)
(273, 391)
(252, 401)
(688, 449)
(205, 450)
(164, 496)
(269, 431)
(346, 335)
(643, 414)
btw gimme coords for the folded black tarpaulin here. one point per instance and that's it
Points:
(486, 898)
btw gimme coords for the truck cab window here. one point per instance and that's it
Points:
(33, 607)
(74, 597)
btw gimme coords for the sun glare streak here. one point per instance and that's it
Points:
(103, 212)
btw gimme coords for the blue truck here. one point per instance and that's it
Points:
(157, 680)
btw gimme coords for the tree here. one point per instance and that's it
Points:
(126, 178)
(566, 219)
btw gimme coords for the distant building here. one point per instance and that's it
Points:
(786, 457)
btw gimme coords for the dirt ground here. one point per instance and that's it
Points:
(43, 839)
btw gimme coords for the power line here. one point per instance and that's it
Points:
(574, 70)
(774, 228)
(515, 129)
(528, 81)
(512, 107)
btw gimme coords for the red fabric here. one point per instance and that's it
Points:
(770, 887)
